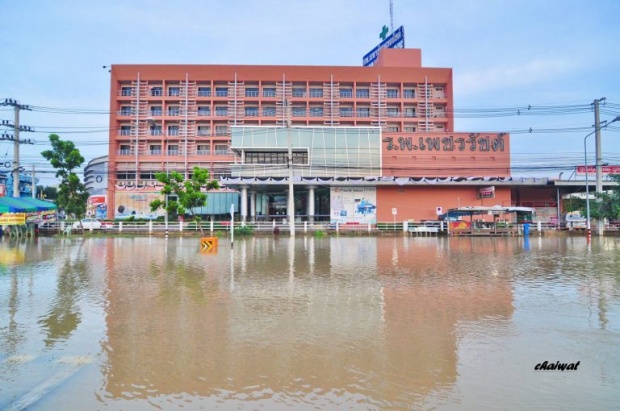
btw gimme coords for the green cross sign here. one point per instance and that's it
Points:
(384, 32)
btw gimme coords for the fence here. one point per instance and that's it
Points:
(406, 227)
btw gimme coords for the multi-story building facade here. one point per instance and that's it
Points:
(175, 117)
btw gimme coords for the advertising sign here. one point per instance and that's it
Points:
(353, 205)
(13, 219)
(395, 40)
(486, 192)
(97, 207)
(604, 169)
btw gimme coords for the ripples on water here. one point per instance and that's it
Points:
(305, 323)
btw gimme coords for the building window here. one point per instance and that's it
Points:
(362, 93)
(269, 111)
(125, 111)
(392, 112)
(392, 129)
(174, 91)
(299, 92)
(125, 175)
(221, 91)
(409, 93)
(346, 111)
(154, 149)
(221, 111)
(174, 111)
(173, 149)
(316, 111)
(346, 93)
(392, 93)
(316, 92)
(279, 157)
(125, 130)
(363, 111)
(204, 91)
(157, 91)
(126, 91)
(156, 130)
(251, 111)
(221, 130)
(173, 130)
(204, 110)
(204, 131)
(124, 150)
(251, 92)
(299, 112)
(156, 111)
(409, 129)
(269, 92)
(409, 112)
(203, 150)
(221, 149)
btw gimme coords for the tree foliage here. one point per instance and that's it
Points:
(187, 194)
(65, 158)
(607, 204)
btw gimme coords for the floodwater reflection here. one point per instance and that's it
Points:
(306, 323)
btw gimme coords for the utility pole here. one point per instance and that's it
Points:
(598, 159)
(34, 185)
(15, 138)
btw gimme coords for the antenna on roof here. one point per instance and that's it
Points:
(391, 16)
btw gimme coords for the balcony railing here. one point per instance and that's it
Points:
(154, 152)
(124, 152)
(203, 152)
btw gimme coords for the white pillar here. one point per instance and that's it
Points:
(244, 203)
(253, 205)
(311, 204)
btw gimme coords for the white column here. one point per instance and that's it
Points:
(244, 203)
(311, 204)
(253, 205)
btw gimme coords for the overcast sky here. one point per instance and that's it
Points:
(557, 54)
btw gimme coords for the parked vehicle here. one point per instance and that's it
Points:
(574, 221)
(92, 223)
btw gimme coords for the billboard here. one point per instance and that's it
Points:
(353, 205)
(396, 40)
(604, 169)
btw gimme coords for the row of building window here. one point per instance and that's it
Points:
(279, 157)
(295, 112)
(175, 91)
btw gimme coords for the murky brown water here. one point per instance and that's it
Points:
(330, 324)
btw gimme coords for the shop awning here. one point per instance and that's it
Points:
(24, 205)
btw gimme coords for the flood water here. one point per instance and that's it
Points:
(348, 323)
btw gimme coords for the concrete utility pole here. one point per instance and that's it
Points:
(16, 129)
(598, 159)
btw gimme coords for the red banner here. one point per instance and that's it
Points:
(604, 169)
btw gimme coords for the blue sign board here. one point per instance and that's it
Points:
(393, 41)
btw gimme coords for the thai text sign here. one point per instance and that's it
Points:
(472, 143)
(486, 192)
(13, 219)
(394, 40)
(604, 169)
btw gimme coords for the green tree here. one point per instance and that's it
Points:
(65, 158)
(188, 193)
(47, 192)
(607, 204)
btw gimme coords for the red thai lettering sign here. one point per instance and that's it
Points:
(604, 169)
